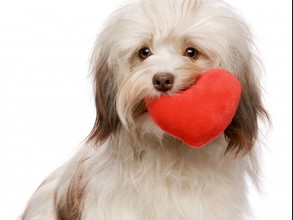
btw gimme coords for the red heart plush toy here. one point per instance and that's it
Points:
(200, 113)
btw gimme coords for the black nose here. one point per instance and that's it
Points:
(163, 81)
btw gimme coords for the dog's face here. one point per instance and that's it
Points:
(157, 47)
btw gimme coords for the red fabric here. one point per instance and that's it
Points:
(202, 112)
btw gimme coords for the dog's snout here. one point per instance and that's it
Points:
(163, 81)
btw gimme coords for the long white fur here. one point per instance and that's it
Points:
(139, 172)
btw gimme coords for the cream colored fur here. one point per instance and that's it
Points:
(135, 171)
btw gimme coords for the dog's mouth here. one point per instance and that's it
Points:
(139, 110)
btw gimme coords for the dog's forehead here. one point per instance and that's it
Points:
(169, 16)
(175, 24)
(157, 21)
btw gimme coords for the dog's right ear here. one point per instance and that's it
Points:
(107, 120)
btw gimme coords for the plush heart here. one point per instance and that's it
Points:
(200, 113)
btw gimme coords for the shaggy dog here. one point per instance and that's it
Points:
(129, 169)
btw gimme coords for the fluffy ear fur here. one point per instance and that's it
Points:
(243, 130)
(107, 119)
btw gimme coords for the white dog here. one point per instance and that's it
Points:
(129, 169)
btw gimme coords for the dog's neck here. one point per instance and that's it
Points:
(134, 145)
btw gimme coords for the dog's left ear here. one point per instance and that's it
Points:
(243, 130)
(107, 120)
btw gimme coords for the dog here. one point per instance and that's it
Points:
(130, 169)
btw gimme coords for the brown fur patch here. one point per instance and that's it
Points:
(243, 130)
(107, 119)
(70, 206)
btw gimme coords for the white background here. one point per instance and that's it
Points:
(46, 106)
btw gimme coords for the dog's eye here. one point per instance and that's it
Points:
(144, 53)
(191, 53)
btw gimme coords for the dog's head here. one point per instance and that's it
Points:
(154, 47)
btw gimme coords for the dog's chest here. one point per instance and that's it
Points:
(166, 191)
